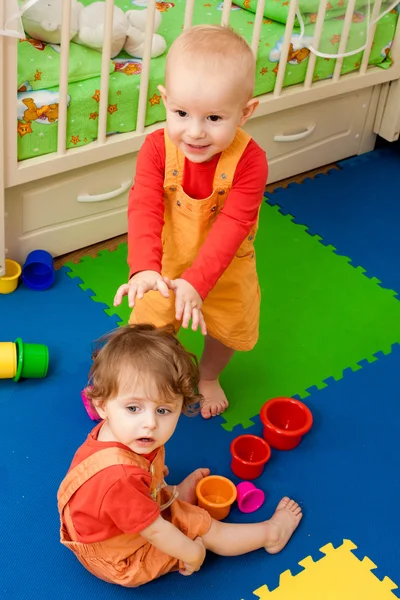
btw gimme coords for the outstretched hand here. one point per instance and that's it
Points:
(139, 285)
(188, 303)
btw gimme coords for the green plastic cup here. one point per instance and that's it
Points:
(33, 360)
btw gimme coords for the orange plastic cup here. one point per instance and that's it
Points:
(216, 494)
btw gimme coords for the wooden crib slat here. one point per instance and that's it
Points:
(105, 71)
(371, 35)
(188, 14)
(63, 83)
(257, 26)
(285, 48)
(319, 26)
(2, 147)
(145, 75)
(226, 12)
(343, 39)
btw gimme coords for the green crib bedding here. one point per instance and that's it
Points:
(38, 71)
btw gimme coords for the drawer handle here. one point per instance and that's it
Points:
(295, 136)
(107, 196)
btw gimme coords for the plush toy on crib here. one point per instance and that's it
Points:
(42, 21)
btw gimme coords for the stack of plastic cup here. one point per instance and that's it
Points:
(8, 360)
(32, 361)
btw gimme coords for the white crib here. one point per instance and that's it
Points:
(72, 198)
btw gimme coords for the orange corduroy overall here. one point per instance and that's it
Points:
(128, 559)
(231, 309)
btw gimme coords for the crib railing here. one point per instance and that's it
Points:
(106, 147)
(2, 136)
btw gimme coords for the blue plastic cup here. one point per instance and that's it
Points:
(38, 270)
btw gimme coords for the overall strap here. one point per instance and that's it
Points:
(174, 163)
(225, 171)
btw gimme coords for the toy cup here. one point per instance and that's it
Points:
(249, 498)
(91, 411)
(250, 453)
(9, 281)
(38, 270)
(216, 494)
(8, 360)
(33, 360)
(285, 422)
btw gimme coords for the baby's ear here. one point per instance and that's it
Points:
(99, 407)
(248, 110)
(163, 93)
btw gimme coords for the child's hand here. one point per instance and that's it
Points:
(138, 285)
(195, 566)
(188, 303)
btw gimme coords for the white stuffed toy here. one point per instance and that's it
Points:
(42, 21)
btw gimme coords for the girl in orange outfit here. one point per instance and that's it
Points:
(193, 210)
(118, 516)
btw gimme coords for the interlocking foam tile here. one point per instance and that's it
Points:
(63, 318)
(355, 209)
(339, 574)
(319, 316)
(102, 276)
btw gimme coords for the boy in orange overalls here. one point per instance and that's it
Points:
(193, 209)
(118, 516)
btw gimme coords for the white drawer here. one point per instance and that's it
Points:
(66, 212)
(309, 136)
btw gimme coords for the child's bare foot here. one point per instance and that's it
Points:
(214, 402)
(282, 525)
(187, 489)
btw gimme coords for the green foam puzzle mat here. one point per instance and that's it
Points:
(319, 316)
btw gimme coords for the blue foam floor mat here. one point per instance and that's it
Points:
(344, 474)
(356, 210)
(64, 318)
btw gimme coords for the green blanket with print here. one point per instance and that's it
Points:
(38, 96)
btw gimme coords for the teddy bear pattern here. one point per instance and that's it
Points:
(42, 21)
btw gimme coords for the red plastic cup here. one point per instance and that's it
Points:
(285, 421)
(250, 453)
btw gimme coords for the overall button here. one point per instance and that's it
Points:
(178, 202)
(172, 189)
(223, 176)
(250, 238)
(221, 192)
(213, 208)
(174, 172)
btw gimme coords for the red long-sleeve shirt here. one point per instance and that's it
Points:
(232, 225)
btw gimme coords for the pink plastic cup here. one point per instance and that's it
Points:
(249, 498)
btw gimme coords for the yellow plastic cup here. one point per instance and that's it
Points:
(8, 360)
(216, 494)
(9, 281)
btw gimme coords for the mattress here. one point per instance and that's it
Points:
(38, 69)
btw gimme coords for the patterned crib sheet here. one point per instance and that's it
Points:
(38, 93)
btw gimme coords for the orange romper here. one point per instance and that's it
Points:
(128, 559)
(232, 308)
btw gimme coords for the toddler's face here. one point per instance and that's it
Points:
(138, 417)
(204, 110)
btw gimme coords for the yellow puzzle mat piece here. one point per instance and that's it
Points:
(339, 575)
